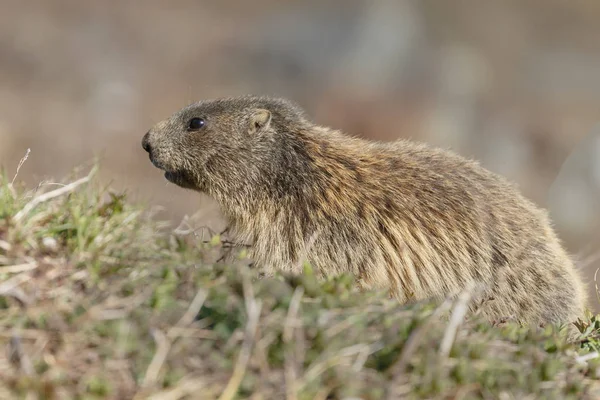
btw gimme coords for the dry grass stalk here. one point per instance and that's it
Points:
(253, 308)
(461, 308)
(51, 195)
(291, 366)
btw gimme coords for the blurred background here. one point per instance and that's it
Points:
(515, 84)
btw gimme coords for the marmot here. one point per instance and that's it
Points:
(420, 221)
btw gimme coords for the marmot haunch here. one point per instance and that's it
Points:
(420, 221)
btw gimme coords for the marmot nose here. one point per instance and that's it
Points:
(146, 142)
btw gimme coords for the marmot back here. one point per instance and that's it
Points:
(420, 221)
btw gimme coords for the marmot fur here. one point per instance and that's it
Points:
(420, 221)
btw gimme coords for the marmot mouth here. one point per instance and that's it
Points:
(179, 178)
(156, 163)
(173, 176)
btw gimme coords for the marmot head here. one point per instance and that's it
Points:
(209, 142)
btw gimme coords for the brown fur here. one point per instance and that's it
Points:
(419, 221)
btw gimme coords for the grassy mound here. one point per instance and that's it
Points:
(98, 300)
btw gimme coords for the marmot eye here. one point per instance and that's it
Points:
(195, 124)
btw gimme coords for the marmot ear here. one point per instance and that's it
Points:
(259, 119)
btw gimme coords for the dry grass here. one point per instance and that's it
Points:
(98, 300)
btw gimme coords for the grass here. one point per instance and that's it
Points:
(99, 300)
